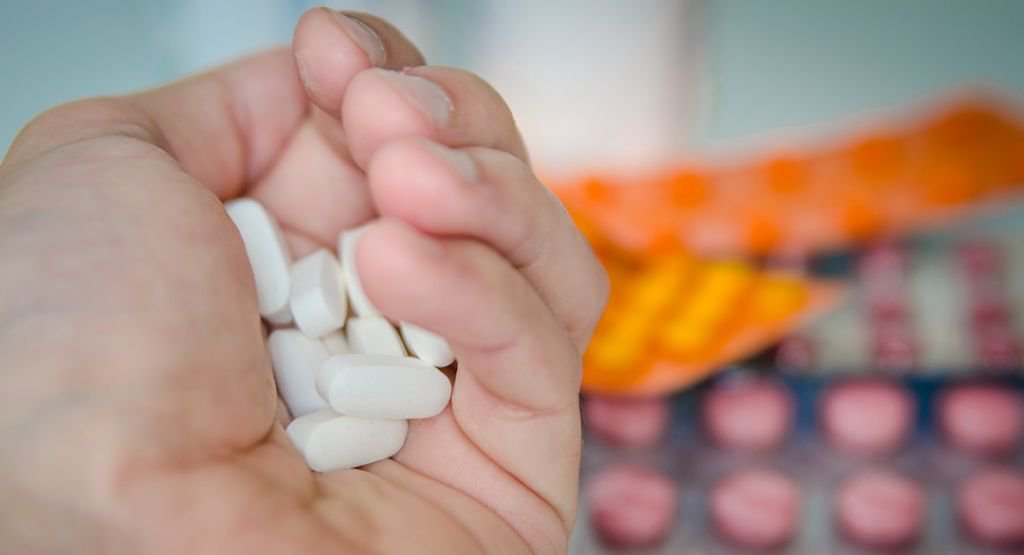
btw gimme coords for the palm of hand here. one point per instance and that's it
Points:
(160, 409)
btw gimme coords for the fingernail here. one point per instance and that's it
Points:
(460, 162)
(364, 36)
(425, 95)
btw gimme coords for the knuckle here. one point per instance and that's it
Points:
(81, 121)
(94, 114)
(474, 95)
(517, 193)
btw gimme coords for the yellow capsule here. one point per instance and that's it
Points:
(719, 285)
(715, 297)
(619, 344)
(684, 338)
(657, 286)
(776, 297)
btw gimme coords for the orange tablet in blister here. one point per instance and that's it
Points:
(764, 232)
(687, 188)
(784, 174)
(596, 189)
(948, 183)
(998, 163)
(860, 215)
(878, 158)
(966, 124)
(1015, 153)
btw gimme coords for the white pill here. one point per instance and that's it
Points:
(336, 343)
(381, 386)
(426, 345)
(373, 335)
(296, 360)
(361, 304)
(329, 441)
(318, 294)
(268, 257)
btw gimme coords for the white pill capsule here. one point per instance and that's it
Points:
(318, 294)
(381, 386)
(296, 360)
(268, 257)
(426, 345)
(361, 304)
(336, 343)
(329, 441)
(373, 335)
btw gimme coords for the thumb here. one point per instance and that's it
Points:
(331, 47)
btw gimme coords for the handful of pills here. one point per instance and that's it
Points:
(347, 381)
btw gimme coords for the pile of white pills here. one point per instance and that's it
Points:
(347, 381)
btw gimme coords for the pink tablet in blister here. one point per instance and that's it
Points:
(795, 353)
(990, 505)
(631, 505)
(894, 346)
(984, 419)
(983, 266)
(989, 314)
(883, 267)
(867, 417)
(997, 349)
(880, 509)
(748, 414)
(757, 508)
(980, 258)
(627, 422)
(882, 272)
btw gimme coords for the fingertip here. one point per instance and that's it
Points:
(394, 260)
(381, 106)
(330, 47)
(328, 53)
(363, 35)
(419, 181)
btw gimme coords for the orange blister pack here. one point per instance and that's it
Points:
(684, 304)
(674, 318)
(967, 159)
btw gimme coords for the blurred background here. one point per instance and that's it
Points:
(810, 213)
(660, 74)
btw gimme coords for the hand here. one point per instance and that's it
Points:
(139, 411)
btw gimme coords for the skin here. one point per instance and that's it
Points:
(139, 412)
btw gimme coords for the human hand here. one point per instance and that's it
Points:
(140, 413)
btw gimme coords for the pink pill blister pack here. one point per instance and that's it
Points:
(759, 463)
(895, 425)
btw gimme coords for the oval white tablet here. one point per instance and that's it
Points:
(380, 386)
(329, 441)
(318, 294)
(373, 335)
(427, 345)
(361, 304)
(336, 343)
(268, 257)
(296, 360)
